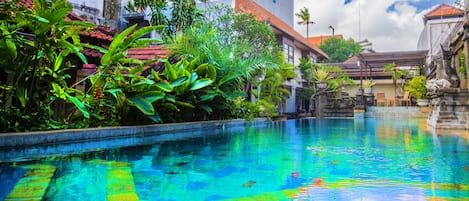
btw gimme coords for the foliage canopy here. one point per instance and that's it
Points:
(340, 50)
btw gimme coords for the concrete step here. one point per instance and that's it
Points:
(34, 183)
(450, 126)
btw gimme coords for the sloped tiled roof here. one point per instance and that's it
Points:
(101, 32)
(148, 53)
(317, 40)
(444, 11)
(263, 15)
(142, 54)
(372, 63)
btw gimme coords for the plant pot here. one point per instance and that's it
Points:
(423, 102)
(321, 85)
(368, 90)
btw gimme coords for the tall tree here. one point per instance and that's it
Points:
(305, 17)
(244, 52)
(183, 14)
(340, 50)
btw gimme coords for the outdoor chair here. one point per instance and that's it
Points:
(405, 100)
(381, 99)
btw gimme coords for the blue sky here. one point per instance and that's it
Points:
(424, 4)
(390, 25)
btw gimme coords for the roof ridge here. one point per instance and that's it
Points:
(440, 12)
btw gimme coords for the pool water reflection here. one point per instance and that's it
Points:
(315, 159)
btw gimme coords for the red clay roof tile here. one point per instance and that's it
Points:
(444, 10)
(263, 15)
(317, 40)
(148, 53)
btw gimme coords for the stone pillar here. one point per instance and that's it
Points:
(466, 37)
(321, 102)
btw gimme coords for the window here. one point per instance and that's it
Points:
(289, 53)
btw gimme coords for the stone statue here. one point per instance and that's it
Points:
(446, 76)
(444, 70)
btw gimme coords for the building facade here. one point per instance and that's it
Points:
(439, 23)
(278, 13)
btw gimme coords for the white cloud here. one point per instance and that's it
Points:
(391, 25)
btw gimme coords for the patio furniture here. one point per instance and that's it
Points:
(405, 100)
(381, 99)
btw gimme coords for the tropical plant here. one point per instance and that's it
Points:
(272, 86)
(35, 44)
(122, 95)
(305, 17)
(368, 83)
(321, 75)
(183, 14)
(339, 50)
(396, 74)
(240, 59)
(463, 65)
(118, 85)
(417, 87)
(333, 76)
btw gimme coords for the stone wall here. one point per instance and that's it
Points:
(329, 105)
(449, 109)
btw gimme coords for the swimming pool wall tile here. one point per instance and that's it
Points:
(394, 112)
(9, 140)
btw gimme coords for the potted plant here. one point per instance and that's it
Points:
(367, 84)
(321, 76)
(416, 88)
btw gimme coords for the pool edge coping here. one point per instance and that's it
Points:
(69, 135)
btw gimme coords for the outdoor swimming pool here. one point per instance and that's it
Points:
(314, 159)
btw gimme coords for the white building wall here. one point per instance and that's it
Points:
(423, 40)
(202, 5)
(98, 4)
(290, 103)
(283, 9)
(435, 32)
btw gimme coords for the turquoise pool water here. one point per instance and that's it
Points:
(315, 159)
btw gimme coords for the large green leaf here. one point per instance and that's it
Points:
(165, 86)
(22, 94)
(198, 84)
(58, 91)
(144, 101)
(207, 97)
(118, 41)
(79, 105)
(155, 118)
(58, 61)
(74, 49)
(169, 70)
(209, 70)
(100, 49)
(193, 77)
(185, 104)
(115, 92)
(133, 61)
(143, 105)
(152, 96)
(170, 106)
(141, 32)
(228, 77)
(207, 108)
(118, 57)
(180, 81)
(170, 97)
